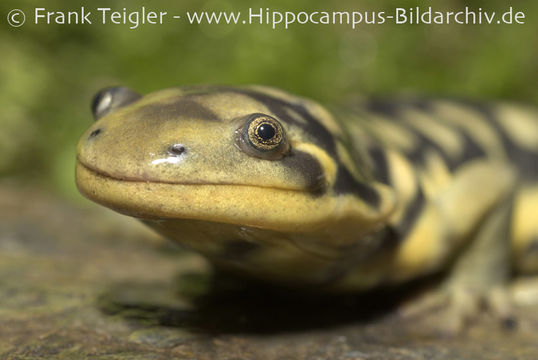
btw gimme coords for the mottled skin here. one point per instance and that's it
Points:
(387, 192)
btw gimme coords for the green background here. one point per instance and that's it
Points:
(49, 73)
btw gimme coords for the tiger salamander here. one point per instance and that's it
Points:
(278, 187)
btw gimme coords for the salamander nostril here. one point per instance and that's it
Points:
(176, 149)
(95, 133)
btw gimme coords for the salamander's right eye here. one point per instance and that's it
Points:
(264, 137)
(109, 99)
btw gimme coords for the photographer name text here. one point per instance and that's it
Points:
(135, 18)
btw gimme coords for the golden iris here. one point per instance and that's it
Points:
(265, 133)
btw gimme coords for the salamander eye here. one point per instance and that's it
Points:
(109, 99)
(263, 136)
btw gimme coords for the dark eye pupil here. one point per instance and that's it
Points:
(266, 131)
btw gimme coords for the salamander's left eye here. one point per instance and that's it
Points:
(263, 136)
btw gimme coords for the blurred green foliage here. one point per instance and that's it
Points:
(49, 73)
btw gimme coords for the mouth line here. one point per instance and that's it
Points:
(128, 179)
(151, 216)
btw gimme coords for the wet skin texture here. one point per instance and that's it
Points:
(276, 187)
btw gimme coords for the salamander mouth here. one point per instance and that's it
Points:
(268, 208)
(245, 208)
(148, 179)
(240, 204)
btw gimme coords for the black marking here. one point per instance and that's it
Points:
(346, 183)
(380, 165)
(425, 146)
(183, 108)
(526, 161)
(278, 107)
(389, 238)
(411, 215)
(307, 165)
(393, 110)
(471, 150)
(95, 133)
(383, 107)
(414, 208)
(309, 169)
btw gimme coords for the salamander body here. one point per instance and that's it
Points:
(279, 187)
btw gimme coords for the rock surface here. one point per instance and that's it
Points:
(85, 283)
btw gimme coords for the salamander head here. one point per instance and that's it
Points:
(245, 157)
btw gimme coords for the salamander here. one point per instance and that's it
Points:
(281, 188)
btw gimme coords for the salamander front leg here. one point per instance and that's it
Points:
(477, 279)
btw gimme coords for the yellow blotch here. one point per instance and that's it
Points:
(520, 123)
(448, 140)
(404, 182)
(434, 175)
(323, 116)
(525, 221)
(391, 134)
(162, 95)
(474, 124)
(347, 161)
(296, 116)
(274, 92)
(423, 250)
